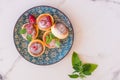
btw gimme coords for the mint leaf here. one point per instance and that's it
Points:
(48, 40)
(93, 67)
(76, 68)
(57, 43)
(29, 37)
(75, 60)
(22, 31)
(51, 36)
(81, 70)
(74, 76)
(87, 73)
(88, 68)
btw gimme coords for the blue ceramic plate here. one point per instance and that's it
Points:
(50, 56)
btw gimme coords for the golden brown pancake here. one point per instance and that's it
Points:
(36, 48)
(52, 44)
(60, 30)
(45, 21)
(31, 29)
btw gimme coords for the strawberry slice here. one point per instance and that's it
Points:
(32, 19)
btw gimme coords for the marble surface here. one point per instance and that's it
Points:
(97, 39)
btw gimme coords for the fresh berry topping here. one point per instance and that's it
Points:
(48, 18)
(32, 19)
(46, 21)
(29, 28)
(34, 47)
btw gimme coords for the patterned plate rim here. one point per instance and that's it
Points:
(33, 8)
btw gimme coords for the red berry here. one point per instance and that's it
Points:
(48, 18)
(32, 19)
(34, 47)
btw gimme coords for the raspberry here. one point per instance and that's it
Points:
(32, 19)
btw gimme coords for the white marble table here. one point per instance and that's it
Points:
(97, 39)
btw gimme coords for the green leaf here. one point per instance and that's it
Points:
(75, 60)
(93, 67)
(29, 37)
(22, 31)
(48, 40)
(87, 73)
(76, 68)
(74, 76)
(88, 68)
(81, 70)
(51, 36)
(57, 43)
(82, 76)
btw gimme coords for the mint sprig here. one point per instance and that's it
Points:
(22, 31)
(81, 70)
(29, 37)
(58, 43)
(49, 38)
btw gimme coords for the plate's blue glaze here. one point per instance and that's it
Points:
(51, 55)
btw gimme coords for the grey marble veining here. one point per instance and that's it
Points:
(1, 77)
(4, 76)
(1, 59)
(116, 75)
(12, 66)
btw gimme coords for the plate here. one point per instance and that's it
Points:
(50, 56)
